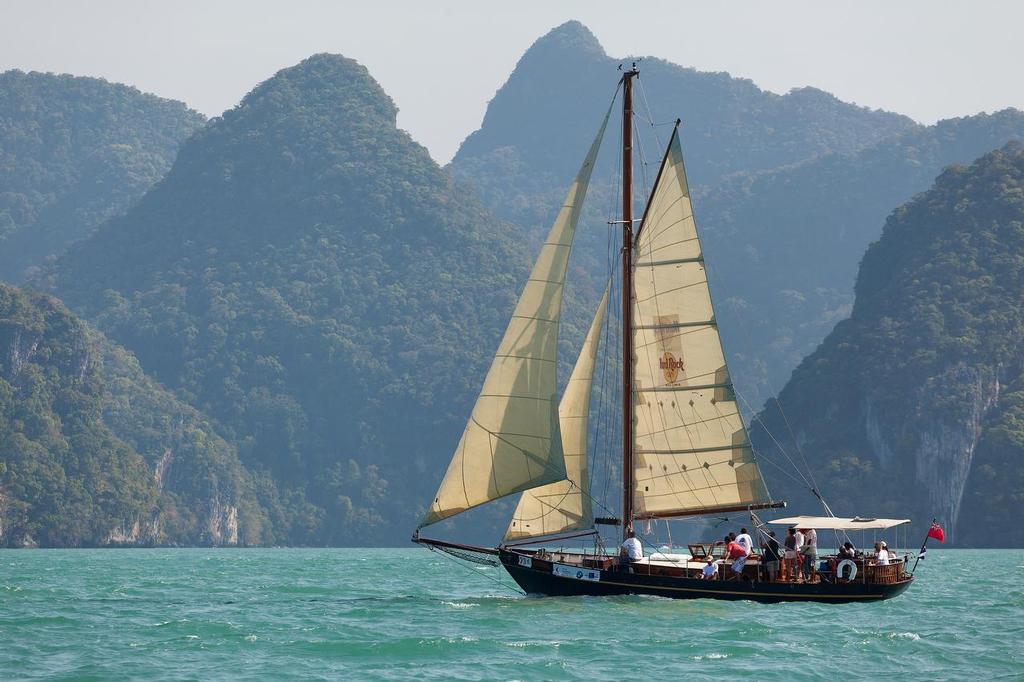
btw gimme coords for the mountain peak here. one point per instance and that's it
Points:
(571, 37)
(323, 80)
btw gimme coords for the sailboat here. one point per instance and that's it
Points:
(685, 449)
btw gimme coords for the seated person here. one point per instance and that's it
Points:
(710, 571)
(631, 550)
(847, 551)
(882, 555)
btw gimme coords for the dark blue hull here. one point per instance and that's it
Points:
(537, 576)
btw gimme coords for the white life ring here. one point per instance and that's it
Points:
(843, 564)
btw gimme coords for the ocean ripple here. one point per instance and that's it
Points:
(282, 614)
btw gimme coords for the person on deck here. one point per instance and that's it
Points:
(809, 552)
(738, 554)
(789, 566)
(710, 571)
(882, 556)
(630, 551)
(847, 551)
(744, 539)
(770, 556)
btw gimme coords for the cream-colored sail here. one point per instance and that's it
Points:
(512, 440)
(691, 452)
(565, 505)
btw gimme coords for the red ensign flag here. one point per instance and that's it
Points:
(936, 532)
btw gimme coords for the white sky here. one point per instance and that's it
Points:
(442, 60)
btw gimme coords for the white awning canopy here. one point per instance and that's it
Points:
(836, 523)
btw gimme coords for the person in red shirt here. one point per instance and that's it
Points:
(738, 554)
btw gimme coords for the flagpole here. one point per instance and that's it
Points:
(926, 536)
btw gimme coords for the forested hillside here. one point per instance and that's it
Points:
(789, 190)
(74, 152)
(308, 277)
(528, 146)
(321, 300)
(94, 453)
(783, 246)
(913, 405)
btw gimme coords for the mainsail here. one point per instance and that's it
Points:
(565, 505)
(512, 441)
(691, 453)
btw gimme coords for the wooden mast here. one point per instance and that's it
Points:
(627, 307)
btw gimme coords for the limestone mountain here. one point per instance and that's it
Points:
(74, 152)
(526, 150)
(913, 404)
(92, 452)
(532, 132)
(308, 277)
(784, 245)
(790, 189)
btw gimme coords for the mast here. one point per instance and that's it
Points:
(627, 307)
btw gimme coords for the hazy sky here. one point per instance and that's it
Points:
(442, 60)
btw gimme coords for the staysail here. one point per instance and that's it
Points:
(565, 505)
(691, 453)
(512, 440)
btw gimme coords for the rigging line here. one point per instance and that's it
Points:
(774, 439)
(644, 163)
(657, 138)
(761, 457)
(607, 405)
(612, 423)
(609, 398)
(800, 452)
(601, 430)
(602, 442)
(650, 117)
(496, 581)
(593, 499)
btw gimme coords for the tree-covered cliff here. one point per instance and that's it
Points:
(94, 453)
(783, 246)
(914, 403)
(308, 277)
(74, 152)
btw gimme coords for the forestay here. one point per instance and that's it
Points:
(565, 505)
(512, 440)
(691, 452)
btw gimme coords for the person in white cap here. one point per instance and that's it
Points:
(881, 553)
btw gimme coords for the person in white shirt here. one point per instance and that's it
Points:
(710, 569)
(882, 555)
(744, 539)
(809, 552)
(799, 542)
(631, 550)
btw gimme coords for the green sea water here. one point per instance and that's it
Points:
(284, 614)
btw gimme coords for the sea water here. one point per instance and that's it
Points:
(283, 614)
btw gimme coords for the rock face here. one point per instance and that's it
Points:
(222, 524)
(92, 452)
(74, 152)
(308, 277)
(908, 407)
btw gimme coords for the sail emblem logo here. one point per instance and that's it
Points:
(671, 367)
